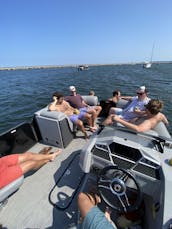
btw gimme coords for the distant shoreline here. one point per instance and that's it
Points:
(75, 66)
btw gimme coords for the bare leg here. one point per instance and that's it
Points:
(98, 110)
(94, 112)
(108, 121)
(80, 125)
(94, 116)
(88, 118)
(32, 161)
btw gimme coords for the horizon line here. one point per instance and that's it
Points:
(74, 65)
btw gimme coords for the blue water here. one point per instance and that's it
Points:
(25, 91)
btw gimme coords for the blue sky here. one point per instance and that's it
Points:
(63, 32)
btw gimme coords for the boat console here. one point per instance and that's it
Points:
(143, 157)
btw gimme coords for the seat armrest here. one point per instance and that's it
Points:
(6, 191)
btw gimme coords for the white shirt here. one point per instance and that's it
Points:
(128, 113)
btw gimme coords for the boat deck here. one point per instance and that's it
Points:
(30, 208)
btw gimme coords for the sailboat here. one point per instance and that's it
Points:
(148, 64)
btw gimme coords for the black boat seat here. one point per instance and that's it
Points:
(91, 100)
(9, 189)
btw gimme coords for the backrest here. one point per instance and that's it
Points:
(91, 100)
(122, 103)
(56, 115)
(162, 131)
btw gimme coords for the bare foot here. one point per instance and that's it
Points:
(95, 127)
(92, 129)
(55, 154)
(86, 135)
(45, 150)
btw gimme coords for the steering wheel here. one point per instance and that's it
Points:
(119, 189)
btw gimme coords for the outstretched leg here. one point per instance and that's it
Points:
(108, 120)
(94, 112)
(32, 161)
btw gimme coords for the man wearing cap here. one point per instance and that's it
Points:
(135, 109)
(77, 117)
(76, 101)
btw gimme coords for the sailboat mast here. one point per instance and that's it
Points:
(152, 52)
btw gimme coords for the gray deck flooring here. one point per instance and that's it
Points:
(30, 208)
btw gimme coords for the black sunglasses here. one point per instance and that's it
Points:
(140, 93)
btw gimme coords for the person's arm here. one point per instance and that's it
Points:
(144, 126)
(52, 106)
(164, 119)
(68, 106)
(126, 97)
(85, 104)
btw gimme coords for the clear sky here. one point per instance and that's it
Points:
(63, 32)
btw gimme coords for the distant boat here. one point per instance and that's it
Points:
(82, 67)
(149, 63)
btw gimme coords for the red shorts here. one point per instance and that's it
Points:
(9, 169)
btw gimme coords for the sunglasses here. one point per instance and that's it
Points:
(139, 93)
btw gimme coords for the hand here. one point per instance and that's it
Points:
(116, 118)
(55, 99)
(137, 110)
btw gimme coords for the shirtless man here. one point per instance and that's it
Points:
(76, 116)
(76, 101)
(153, 117)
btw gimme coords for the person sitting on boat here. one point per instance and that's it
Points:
(92, 216)
(76, 101)
(116, 95)
(152, 118)
(92, 93)
(135, 108)
(110, 103)
(15, 165)
(75, 115)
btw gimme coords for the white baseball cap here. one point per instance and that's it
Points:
(142, 89)
(72, 88)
